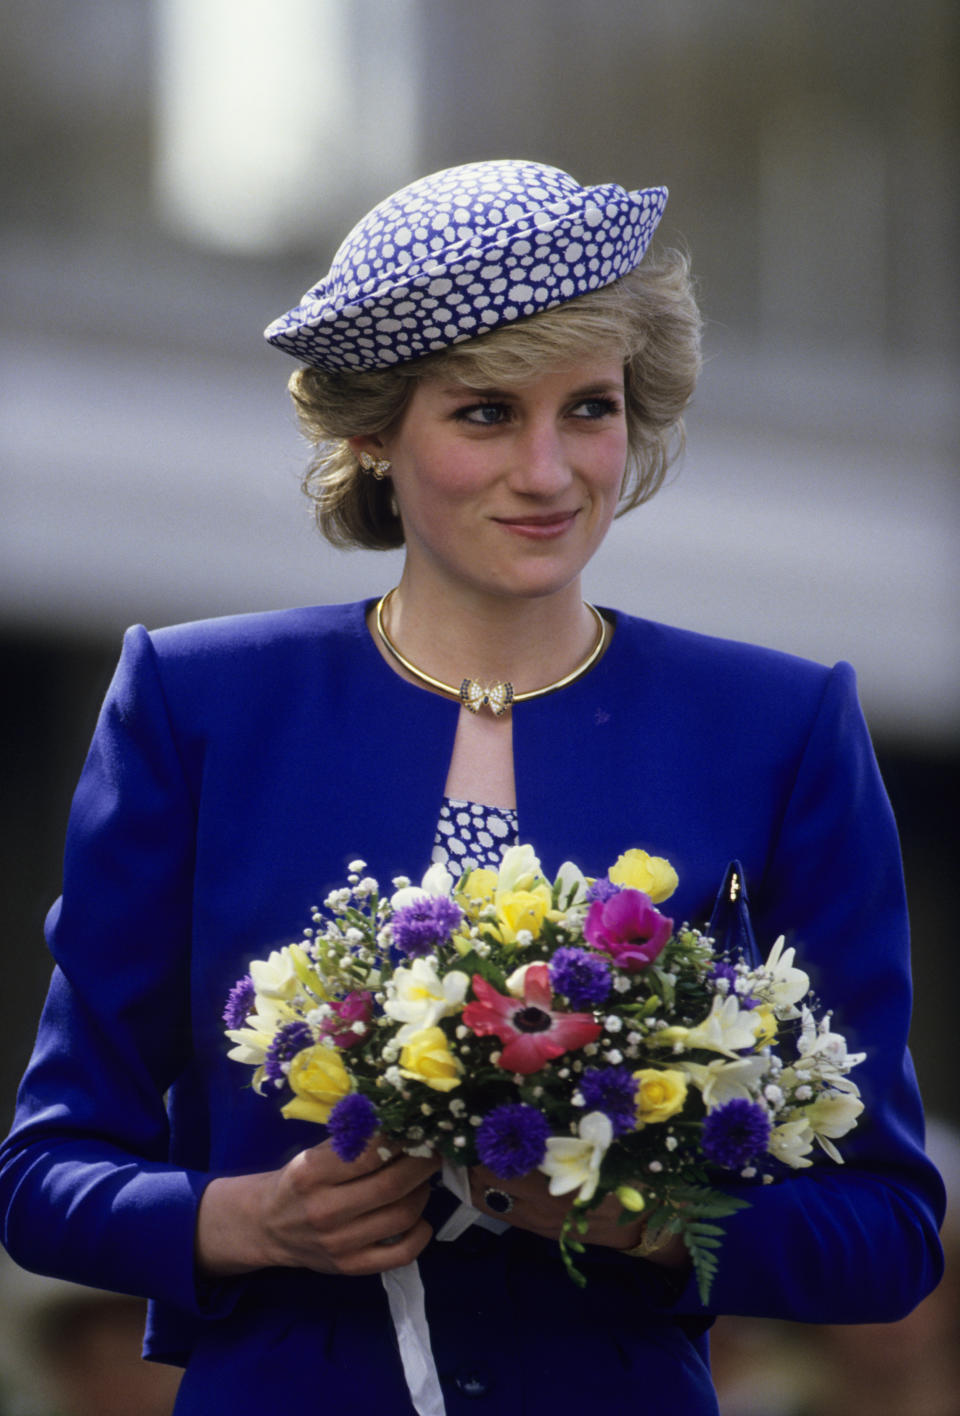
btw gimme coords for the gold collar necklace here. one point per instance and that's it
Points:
(498, 697)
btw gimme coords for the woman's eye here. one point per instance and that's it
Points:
(484, 415)
(596, 408)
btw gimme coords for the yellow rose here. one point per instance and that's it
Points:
(522, 909)
(765, 1022)
(653, 875)
(427, 1058)
(475, 892)
(319, 1080)
(660, 1094)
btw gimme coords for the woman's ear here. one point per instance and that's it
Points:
(366, 442)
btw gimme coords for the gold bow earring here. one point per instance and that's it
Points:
(378, 466)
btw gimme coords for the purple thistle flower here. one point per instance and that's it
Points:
(735, 1133)
(602, 890)
(583, 977)
(723, 970)
(240, 1001)
(425, 925)
(512, 1140)
(613, 1091)
(287, 1042)
(352, 1122)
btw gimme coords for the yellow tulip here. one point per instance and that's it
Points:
(475, 892)
(427, 1058)
(318, 1080)
(522, 909)
(653, 875)
(660, 1094)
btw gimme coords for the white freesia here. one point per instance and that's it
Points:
(824, 1052)
(785, 985)
(275, 976)
(573, 885)
(259, 1029)
(719, 1082)
(251, 1044)
(791, 1143)
(519, 869)
(573, 1163)
(832, 1115)
(418, 997)
(437, 881)
(727, 1028)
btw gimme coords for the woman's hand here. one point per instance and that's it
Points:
(536, 1210)
(319, 1213)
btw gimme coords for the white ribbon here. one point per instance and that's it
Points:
(404, 1288)
(405, 1295)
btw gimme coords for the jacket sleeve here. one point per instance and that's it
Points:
(858, 1242)
(86, 1190)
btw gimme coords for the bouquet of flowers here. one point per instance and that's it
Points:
(564, 1027)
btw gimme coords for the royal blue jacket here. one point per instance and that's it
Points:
(237, 765)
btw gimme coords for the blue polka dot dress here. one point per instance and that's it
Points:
(471, 836)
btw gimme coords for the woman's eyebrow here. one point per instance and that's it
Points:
(462, 390)
(590, 390)
(602, 386)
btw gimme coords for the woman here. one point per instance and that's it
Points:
(485, 358)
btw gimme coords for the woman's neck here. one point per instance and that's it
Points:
(529, 641)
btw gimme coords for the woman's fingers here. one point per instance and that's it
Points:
(375, 1177)
(389, 1253)
(317, 1212)
(325, 1213)
(532, 1207)
(381, 1226)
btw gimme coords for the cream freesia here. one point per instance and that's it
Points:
(727, 1028)
(260, 1027)
(519, 870)
(418, 997)
(572, 885)
(573, 1162)
(832, 1115)
(785, 985)
(719, 1082)
(275, 976)
(791, 1143)
(824, 1052)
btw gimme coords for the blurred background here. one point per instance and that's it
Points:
(177, 172)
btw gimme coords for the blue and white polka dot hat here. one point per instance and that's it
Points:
(458, 253)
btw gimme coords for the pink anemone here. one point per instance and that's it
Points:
(531, 1031)
(628, 928)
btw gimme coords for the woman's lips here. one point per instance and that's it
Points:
(538, 528)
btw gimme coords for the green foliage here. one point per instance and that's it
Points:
(686, 1211)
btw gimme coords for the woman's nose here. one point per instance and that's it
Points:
(542, 466)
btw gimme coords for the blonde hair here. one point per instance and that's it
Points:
(649, 318)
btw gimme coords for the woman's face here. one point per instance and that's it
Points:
(509, 491)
